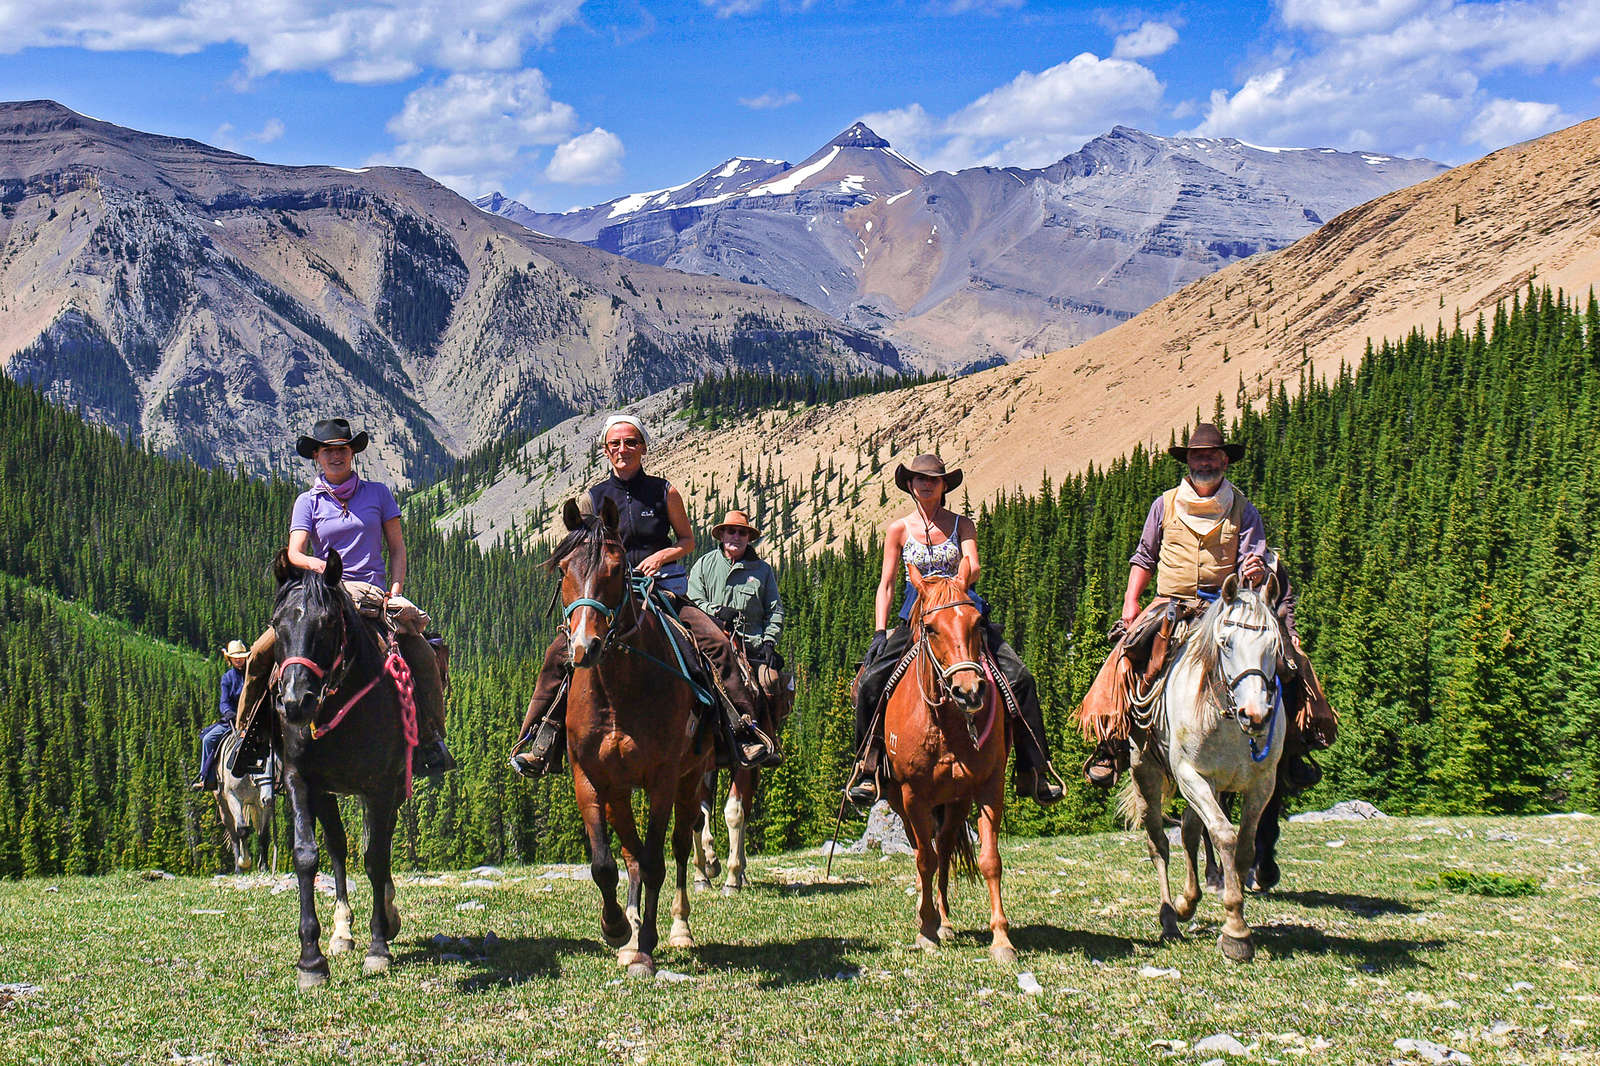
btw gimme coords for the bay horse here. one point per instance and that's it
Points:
(245, 809)
(632, 723)
(1223, 675)
(346, 726)
(776, 692)
(945, 736)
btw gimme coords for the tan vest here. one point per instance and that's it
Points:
(1188, 561)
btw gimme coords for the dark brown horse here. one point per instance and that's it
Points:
(945, 737)
(632, 723)
(343, 730)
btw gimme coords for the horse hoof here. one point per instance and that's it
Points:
(617, 939)
(341, 945)
(1004, 954)
(313, 978)
(732, 889)
(1237, 948)
(374, 964)
(923, 943)
(714, 869)
(642, 966)
(946, 933)
(680, 940)
(702, 884)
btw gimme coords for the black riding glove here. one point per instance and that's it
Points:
(725, 614)
(879, 639)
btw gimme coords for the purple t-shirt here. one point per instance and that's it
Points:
(357, 535)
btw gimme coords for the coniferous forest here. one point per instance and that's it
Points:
(1437, 506)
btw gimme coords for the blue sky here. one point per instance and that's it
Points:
(567, 102)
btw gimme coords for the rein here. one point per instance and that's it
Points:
(942, 694)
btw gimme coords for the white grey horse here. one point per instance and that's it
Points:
(1212, 724)
(245, 805)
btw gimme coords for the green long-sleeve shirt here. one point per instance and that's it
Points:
(748, 586)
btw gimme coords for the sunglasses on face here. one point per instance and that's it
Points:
(626, 442)
(735, 532)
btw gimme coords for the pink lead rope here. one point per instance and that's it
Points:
(399, 670)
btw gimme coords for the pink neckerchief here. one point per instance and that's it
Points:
(340, 493)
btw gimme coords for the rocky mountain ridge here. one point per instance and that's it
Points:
(216, 305)
(989, 264)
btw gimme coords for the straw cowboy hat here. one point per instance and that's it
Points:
(1206, 435)
(927, 466)
(736, 520)
(236, 649)
(330, 431)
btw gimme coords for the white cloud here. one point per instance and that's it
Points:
(982, 7)
(1150, 39)
(1031, 121)
(473, 132)
(1505, 122)
(226, 136)
(769, 100)
(271, 131)
(588, 159)
(1406, 77)
(358, 41)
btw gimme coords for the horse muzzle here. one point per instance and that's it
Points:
(584, 652)
(969, 697)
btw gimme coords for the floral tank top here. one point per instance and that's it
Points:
(932, 560)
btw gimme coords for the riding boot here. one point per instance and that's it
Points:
(250, 717)
(430, 758)
(544, 727)
(1031, 779)
(751, 747)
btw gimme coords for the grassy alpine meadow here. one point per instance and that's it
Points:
(1404, 939)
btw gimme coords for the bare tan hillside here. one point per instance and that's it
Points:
(1453, 245)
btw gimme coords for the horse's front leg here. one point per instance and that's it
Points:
(614, 925)
(381, 816)
(736, 812)
(343, 938)
(1194, 831)
(955, 822)
(918, 821)
(1149, 781)
(1264, 872)
(313, 966)
(619, 812)
(1235, 939)
(683, 837)
(647, 871)
(991, 808)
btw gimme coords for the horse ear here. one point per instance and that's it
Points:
(335, 569)
(281, 567)
(570, 516)
(1230, 588)
(609, 516)
(918, 582)
(1272, 589)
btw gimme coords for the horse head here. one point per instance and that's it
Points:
(594, 580)
(949, 625)
(312, 624)
(1243, 644)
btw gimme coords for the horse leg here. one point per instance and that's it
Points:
(735, 812)
(1194, 831)
(381, 814)
(614, 927)
(619, 812)
(1149, 778)
(705, 856)
(683, 836)
(991, 808)
(647, 870)
(1235, 939)
(313, 967)
(343, 938)
(918, 819)
(949, 826)
(1264, 872)
(1213, 871)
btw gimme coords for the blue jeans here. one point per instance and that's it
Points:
(210, 741)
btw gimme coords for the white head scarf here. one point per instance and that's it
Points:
(625, 420)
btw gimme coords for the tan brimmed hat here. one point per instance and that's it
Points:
(736, 520)
(927, 466)
(236, 649)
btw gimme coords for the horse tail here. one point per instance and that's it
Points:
(965, 860)
(1130, 800)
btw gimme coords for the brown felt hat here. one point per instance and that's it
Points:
(330, 431)
(928, 466)
(736, 520)
(1206, 435)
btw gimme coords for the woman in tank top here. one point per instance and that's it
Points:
(937, 541)
(656, 535)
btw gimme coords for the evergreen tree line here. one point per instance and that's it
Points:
(1435, 506)
(719, 398)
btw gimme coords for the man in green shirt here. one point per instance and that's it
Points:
(738, 589)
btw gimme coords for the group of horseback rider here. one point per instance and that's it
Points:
(1195, 536)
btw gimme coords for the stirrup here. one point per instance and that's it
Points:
(1100, 771)
(544, 754)
(863, 790)
(755, 747)
(1034, 785)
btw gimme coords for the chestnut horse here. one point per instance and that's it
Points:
(344, 729)
(945, 737)
(632, 723)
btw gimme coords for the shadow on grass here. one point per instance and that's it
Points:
(794, 962)
(819, 888)
(1286, 940)
(1061, 941)
(1366, 906)
(512, 961)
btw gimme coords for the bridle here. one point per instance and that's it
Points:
(331, 678)
(942, 674)
(1229, 689)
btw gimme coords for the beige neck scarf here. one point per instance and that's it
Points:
(1203, 514)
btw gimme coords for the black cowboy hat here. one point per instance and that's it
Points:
(330, 431)
(927, 466)
(1206, 435)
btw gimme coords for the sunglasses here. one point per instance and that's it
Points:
(626, 442)
(735, 532)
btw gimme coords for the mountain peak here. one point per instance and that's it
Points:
(858, 136)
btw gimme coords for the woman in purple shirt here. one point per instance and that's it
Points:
(361, 521)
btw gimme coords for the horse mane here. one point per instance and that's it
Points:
(950, 590)
(592, 533)
(1209, 654)
(320, 596)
